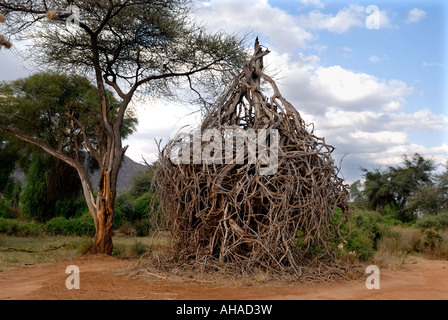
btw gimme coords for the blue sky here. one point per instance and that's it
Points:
(374, 94)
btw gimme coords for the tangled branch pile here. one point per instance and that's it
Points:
(231, 214)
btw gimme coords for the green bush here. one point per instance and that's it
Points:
(363, 232)
(138, 249)
(119, 218)
(35, 205)
(125, 207)
(13, 227)
(391, 212)
(5, 211)
(119, 251)
(443, 220)
(142, 227)
(82, 226)
(432, 239)
(362, 244)
(142, 206)
(12, 192)
(438, 222)
(71, 208)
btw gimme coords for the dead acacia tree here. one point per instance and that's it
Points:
(150, 47)
(231, 214)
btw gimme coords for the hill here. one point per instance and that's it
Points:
(129, 169)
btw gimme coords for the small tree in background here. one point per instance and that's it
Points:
(406, 190)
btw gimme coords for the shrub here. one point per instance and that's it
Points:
(443, 220)
(362, 244)
(126, 208)
(13, 227)
(363, 231)
(5, 211)
(82, 226)
(410, 240)
(432, 240)
(12, 192)
(138, 248)
(119, 251)
(71, 208)
(438, 222)
(142, 206)
(118, 219)
(56, 226)
(34, 200)
(391, 212)
(142, 227)
(85, 246)
(126, 228)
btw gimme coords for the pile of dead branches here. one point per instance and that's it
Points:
(223, 214)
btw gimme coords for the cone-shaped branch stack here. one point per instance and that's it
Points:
(233, 214)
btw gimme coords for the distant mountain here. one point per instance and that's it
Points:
(129, 169)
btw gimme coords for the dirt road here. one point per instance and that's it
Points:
(105, 278)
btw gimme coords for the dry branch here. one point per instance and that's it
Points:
(231, 215)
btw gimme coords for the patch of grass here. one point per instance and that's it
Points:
(75, 247)
(14, 259)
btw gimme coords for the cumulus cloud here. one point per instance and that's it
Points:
(415, 15)
(284, 30)
(313, 3)
(158, 121)
(316, 87)
(363, 116)
(236, 16)
(351, 16)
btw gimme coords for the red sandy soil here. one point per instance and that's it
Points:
(108, 278)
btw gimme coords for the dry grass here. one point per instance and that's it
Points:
(13, 259)
(394, 251)
(130, 247)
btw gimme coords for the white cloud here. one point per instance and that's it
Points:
(415, 15)
(316, 88)
(238, 16)
(431, 64)
(315, 3)
(385, 20)
(351, 16)
(374, 59)
(284, 30)
(361, 115)
(157, 120)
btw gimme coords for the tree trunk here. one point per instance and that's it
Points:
(104, 226)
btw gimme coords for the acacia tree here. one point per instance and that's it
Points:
(397, 185)
(149, 47)
(42, 106)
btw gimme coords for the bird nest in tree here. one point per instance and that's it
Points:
(271, 214)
